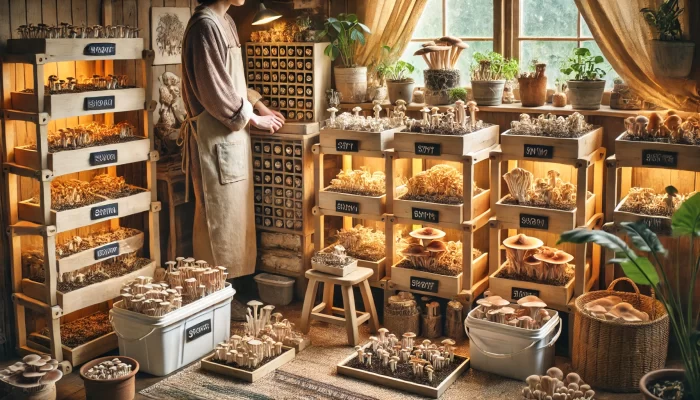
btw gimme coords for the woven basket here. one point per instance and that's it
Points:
(614, 356)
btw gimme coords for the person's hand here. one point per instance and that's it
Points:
(270, 123)
(265, 111)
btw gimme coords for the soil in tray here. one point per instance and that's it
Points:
(404, 371)
(82, 330)
(95, 274)
(526, 278)
(567, 135)
(265, 361)
(510, 200)
(101, 142)
(95, 239)
(447, 132)
(77, 90)
(683, 140)
(440, 270)
(438, 199)
(359, 192)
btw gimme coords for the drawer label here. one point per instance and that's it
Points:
(347, 207)
(428, 149)
(658, 158)
(109, 250)
(534, 221)
(517, 293)
(103, 157)
(99, 103)
(538, 151)
(105, 211)
(421, 214)
(100, 49)
(424, 285)
(347, 145)
(199, 330)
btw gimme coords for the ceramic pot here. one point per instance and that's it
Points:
(671, 59)
(123, 388)
(659, 375)
(533, 91)
(488, 93)
(585, 95)
(400, 90)
(352, 83)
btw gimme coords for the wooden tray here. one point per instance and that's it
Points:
(352, 203)
(74, 104)
(78, 49)
(377, 266)
(334, 271)
(407, 386)
(89, 295)
(349, 142)
(82, 216)
(447, 286)
(409, 142)
(658, 224)
(70, 161)
(543, 148)
(656, 155)
(287, 355)
(94, 255)
(79, 354)
(445, 213)
(557, 221)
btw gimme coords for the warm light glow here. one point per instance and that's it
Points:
(264, 16)
(266, 20)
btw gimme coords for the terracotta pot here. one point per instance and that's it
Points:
(671, 59)
(585, 95)
(400, 90)
(352, 84)
(488, 93)
(533, 91)
(659, 375)
(123, 388)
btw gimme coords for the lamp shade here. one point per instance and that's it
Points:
(263, 16)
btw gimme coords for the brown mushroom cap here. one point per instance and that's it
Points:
(31, 357)
(436, 246)
(427, 233)
(461, 45)
(608, 302)
(627, 312)
(426, 44)
(497, 301)
(450, 40)
(523, 242)
(414, 250)
(673, 122)
(554, 257)
(438, 48)
(528, 299)
(420, 52)
(409, 335)
(534, 304)
(51, 377)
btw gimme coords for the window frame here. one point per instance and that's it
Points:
(492, 38)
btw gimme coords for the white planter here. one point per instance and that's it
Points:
(333, 270)
(585, 95)
(352, 84)
(671, 59)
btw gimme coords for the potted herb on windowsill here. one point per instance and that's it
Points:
(670, 56)
(489, 75)
(346, 32)
(586, 88)
(678, 301)
(398, 83)
(533, 85)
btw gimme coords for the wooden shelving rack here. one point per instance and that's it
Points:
(39, 109)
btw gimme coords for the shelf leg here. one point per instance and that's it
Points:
(467, 259)
(494, 246)
(468, 189)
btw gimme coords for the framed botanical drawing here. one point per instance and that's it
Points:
(167, 32)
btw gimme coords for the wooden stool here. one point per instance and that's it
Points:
(325, 310)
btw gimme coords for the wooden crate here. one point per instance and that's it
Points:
(446, 213)
(89, 295)
(55, 50)
(377, 266)
(659, 224)
(287, 355)
(89, 257)
(447, 286)
(543, 148)
(82, 216)
(656, 155)
(398, 384)
(516, 216)
(79, 354)
(70, 161)
(74, 104)
(408, 142)
(349, 142)
(352, 203)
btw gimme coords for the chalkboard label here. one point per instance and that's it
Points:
(103, 157)
(347, 145)
(424, 285)
(421, 214)
(100, 49)
(199, 330)
(105, 211)
(109, 250)
(428, 149)
(517, 293)
(659, 225)
(538, 151)
(658, 158)
(347, 207)
(534, 221)
(99, 103)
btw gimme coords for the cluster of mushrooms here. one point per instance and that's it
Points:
(528, 258)
(425, 250)
(360, 182)
(613, 308)
(336, 258)
(67, 31)
(550, 125)
(550, 192)
(95, 239)
(112, 187)
(425, 358)
(72, 193)
(656, 128)
(92, 134)
(375, 123)
(109, 369)
(540, 71)
(554, 386)
(101, 271)
(454, 121)
(441, 183)
(647, 201)
(33, 374)
(529, 313)
(362, 242)
(73, 85)
(442, 53)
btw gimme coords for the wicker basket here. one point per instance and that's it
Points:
(614, 356)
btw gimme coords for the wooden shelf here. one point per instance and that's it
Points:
(419, 212)
(352, 204)
(656, 155)
(76, 104)
(80, 354)
(104, 252)
(514, 216)
(412, 144)
(55, 50)
(341, 141)
(544, 148)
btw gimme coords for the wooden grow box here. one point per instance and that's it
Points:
(83, 103)
(376, 266)
(542, 218)
(656, 154)
(349, 142)
(440, 213)
(249, 376)
(104, 252)
(659, 224)
(55, 50)
(552, 149)
(79, 354)
(432, 145)
(351, 203)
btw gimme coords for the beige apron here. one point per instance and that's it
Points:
(220, 162)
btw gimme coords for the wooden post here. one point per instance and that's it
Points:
(454, 320)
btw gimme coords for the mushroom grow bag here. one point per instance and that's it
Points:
(614, 356)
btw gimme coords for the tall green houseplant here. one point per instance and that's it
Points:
(344, 32)
(678, 302)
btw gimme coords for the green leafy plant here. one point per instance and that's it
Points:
(684, 320)
(303, 22)
(665, 20)
(345, 33)
(583, 65)
(493, 67)
(458, 93)
(393, 70)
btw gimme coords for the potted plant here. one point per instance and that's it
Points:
(458, 93)
(677, 301)
(346, 32)
(441, 56)
(586, 88)
(533, 85)
(489, 75)
(110, 378)
(398, 83)
(670, 56)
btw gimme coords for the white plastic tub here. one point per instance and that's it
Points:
(509, 351)
(164, 344)
(274, 289)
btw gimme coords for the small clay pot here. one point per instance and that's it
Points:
(123, 388)
(659, 375)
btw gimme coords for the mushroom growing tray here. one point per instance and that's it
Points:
(633, 153)
(341, 141)
(432, 145)
(248, 375)
(547, 148)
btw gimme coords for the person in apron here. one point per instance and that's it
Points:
(216, 144)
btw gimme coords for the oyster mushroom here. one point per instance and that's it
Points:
(672, 124)
(641, 126)
(519, 181)
(427, 234)
(518, 248)
(627, 313)
(415, 254)
(554, 262)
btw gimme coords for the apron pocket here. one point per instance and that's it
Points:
(233, 162)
